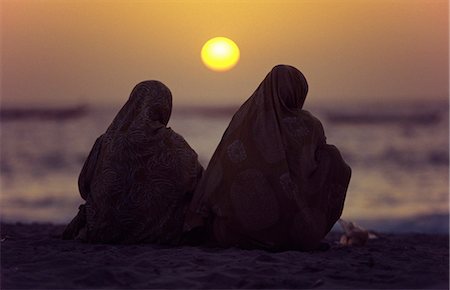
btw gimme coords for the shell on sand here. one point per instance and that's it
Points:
(354, 235)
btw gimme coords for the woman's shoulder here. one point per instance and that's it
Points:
(178, 140)
(306, 115)
(315, 124)
(170, 133)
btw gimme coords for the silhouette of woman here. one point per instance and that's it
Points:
(273, 182)
(139, 176)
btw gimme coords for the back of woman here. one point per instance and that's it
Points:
(273, 182)
(139, 176)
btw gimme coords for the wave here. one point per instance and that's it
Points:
(426, 223)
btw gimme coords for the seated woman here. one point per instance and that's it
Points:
(139, 177)
(273, 182)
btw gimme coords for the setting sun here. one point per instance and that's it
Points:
(220, 54)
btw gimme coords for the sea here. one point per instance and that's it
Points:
(399, 154)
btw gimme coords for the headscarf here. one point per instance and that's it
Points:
(272, 182)
(140, 175)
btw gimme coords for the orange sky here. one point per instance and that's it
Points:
(72, 51)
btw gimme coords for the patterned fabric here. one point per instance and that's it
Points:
(273, 182)
(139, 176)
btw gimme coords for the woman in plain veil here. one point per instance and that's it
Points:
(139, 176)
(273, 182)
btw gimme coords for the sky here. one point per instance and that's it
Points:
(66, 52)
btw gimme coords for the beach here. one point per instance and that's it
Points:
(33, 256)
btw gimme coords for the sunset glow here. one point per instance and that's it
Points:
(362, 51)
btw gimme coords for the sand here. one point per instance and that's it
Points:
(33, 256)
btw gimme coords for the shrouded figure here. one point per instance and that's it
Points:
(139, 177)
(273, 182)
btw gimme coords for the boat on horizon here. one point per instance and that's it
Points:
(57, 113)
(424, 118)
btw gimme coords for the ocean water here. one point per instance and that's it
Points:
(398, 154)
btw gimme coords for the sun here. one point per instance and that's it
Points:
(220, 54)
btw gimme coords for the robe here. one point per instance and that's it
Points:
(273, 182)
(139, 177)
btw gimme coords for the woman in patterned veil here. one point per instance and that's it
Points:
(273, 182)
(139, 176)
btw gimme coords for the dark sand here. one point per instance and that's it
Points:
(33, 256)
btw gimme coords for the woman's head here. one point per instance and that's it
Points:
(149, 102)
(289, 84)
(153, 99)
